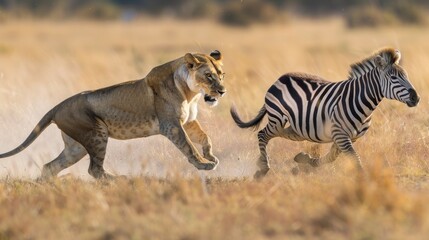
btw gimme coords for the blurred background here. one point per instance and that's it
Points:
(50, 50)
(356, 13)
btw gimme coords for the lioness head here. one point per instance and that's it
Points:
(206, 75)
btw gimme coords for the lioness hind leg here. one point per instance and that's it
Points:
(95, 143)
(72, 153)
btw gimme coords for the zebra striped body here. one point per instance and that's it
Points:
(306, 107)
(314, 107)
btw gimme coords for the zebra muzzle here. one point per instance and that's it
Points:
(414, 98)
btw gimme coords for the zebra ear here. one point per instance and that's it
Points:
(380, 62)
(396, 57)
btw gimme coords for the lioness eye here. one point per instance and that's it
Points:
(208, 75)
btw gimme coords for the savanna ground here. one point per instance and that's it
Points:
(163, 196)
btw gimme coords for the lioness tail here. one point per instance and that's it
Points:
(254, 123)
(42, 125)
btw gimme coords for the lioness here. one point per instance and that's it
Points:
(164, 102)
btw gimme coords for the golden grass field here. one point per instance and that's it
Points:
(163, 196)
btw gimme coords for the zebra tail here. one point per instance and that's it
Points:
(254, 123)
(42, 125)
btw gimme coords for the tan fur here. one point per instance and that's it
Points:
(164, 102)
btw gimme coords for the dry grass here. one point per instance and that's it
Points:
(164, 197)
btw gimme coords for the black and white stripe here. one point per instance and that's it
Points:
(305, 107)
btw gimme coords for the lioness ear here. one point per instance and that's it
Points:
(380, 62)
(396, 57)
(191, 61)
(216, 55)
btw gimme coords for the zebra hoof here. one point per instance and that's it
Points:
(302, 158)
(295, 171)
(261, 174)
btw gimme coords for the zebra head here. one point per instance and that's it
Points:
(394, 79)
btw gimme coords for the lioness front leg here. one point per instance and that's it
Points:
(197, 135)
(175, 133)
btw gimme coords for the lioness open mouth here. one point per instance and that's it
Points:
(211, 101)
(208, 98)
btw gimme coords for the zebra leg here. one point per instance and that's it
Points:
(331, 156)
(306, 158)
(345, 144)
(302, 157)
(264, 136)
(262, 163)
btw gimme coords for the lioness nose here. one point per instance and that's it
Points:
(221, 92)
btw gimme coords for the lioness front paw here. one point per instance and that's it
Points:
(206, 165)
(212, 158)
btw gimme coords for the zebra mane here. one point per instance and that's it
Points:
(390, 56)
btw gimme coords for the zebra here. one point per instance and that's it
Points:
(305, 107)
